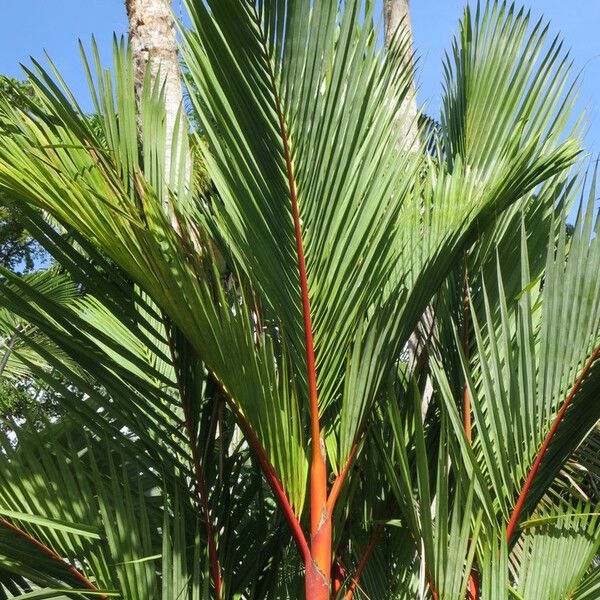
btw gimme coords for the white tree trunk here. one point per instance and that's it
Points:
(152, 39)
(396, 14)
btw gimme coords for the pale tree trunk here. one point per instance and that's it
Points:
(396, 14)
(152, 39)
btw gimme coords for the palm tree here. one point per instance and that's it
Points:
(277, 301)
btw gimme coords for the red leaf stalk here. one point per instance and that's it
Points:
(473, 589)
(85, 582)
(273, 480)
(514, 519)
(466, 396)
(363, 562)
(338, 574)
(318, 571)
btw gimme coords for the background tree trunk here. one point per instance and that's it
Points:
(152, 39)
(396, 13)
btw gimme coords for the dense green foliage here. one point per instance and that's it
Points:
(19, 251)
(175, 330)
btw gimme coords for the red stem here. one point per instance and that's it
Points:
(338, 574)
(318, 573)
(466, 396)
(433, 591)
(308, 336)
(86, 582)
(527, 486)
(199, 474)
(473, 591)
(365, 559)
(363, 562)
(269, 471)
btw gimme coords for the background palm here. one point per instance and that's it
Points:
(186, 462)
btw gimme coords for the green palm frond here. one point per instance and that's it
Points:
(16, 352)
(529, 362)
(440, 511)
(569, 532)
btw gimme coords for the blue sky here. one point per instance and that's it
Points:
(31, 26)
